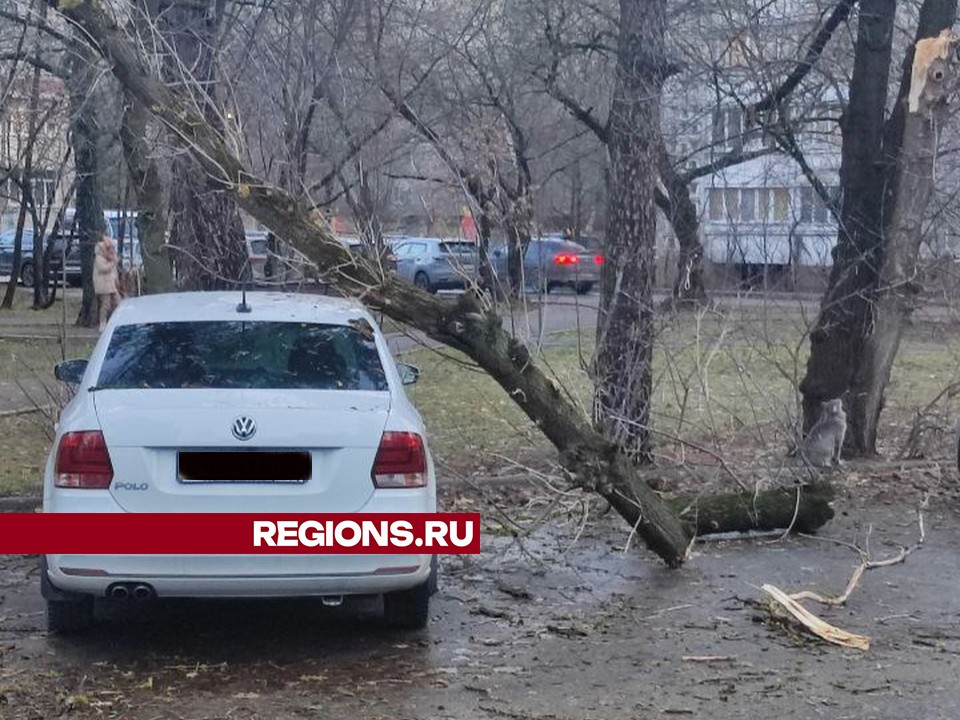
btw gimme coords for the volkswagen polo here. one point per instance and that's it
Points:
(182, 393)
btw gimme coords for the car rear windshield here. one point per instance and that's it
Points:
(254, 355)
(458, 248)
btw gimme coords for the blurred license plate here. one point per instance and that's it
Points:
(251, 466)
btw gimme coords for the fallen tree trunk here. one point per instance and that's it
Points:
(803, 508)
(589, 459)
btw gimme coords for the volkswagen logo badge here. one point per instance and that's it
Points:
(244, 428)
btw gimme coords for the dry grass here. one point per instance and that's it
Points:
(724, 381)
(24, 449)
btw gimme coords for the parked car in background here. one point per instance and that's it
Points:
(289, 264)
(120, 225)
(435, 264)
(359, 246)
(552, 262)
(304, 408)
(7, 243)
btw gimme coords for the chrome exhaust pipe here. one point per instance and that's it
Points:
(143, 592)
(332, 600)
(119, 592)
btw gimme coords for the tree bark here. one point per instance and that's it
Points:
(803, 508)
(11, 291)
(858, 332)
(518, 221)
(897, 291)
(206, 229)
(688, 287)
(151, 195)
(623, 366)
(85, 132)
(844, 322)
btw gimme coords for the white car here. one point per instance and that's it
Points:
(176, 375)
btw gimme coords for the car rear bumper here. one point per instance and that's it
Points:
(574, 277)
(239, 575)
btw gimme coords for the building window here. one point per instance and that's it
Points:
(731, 197)
(824, 122)
(739, 50)
(44, 188)
(715, 204)
(781, 204)
(812, 207)
(749, 204)
(728, 128)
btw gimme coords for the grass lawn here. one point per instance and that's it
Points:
(24, 358)
(24, 449)
(22, 312)
(722, 381)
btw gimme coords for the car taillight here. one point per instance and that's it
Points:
(565, 259)
(401, 461)
(598, 259)
(83, 461)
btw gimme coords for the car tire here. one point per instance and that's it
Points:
(26, 274)
(69, 617)
(67, 613)
(410, 609)
(422, 281)
(583, 288)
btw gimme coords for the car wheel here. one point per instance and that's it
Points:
(68, 617)
(583, 288)
(410, 609)
(422, 281)
(67, 612)
(26, 274)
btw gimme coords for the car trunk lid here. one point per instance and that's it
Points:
(146, 429)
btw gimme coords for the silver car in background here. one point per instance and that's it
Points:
(436, 264)
(289, 264)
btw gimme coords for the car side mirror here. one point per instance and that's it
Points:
(409, 374)
(70, 371)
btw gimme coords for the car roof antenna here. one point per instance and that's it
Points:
(243, 307)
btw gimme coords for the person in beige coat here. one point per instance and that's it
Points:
(106, 279)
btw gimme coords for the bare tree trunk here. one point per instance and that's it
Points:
(896, 296)
(207, 230)
(623, 368)
(84, 133)
(152, 197)
(845, 319)
(898, 289)
(887, 178)
(519, 223)
(151, 194)
(11, 291)
(688, 286)
(33, 123)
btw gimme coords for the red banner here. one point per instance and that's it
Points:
(238, 533)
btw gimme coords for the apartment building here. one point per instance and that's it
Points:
(52, 171)
(760, 218)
